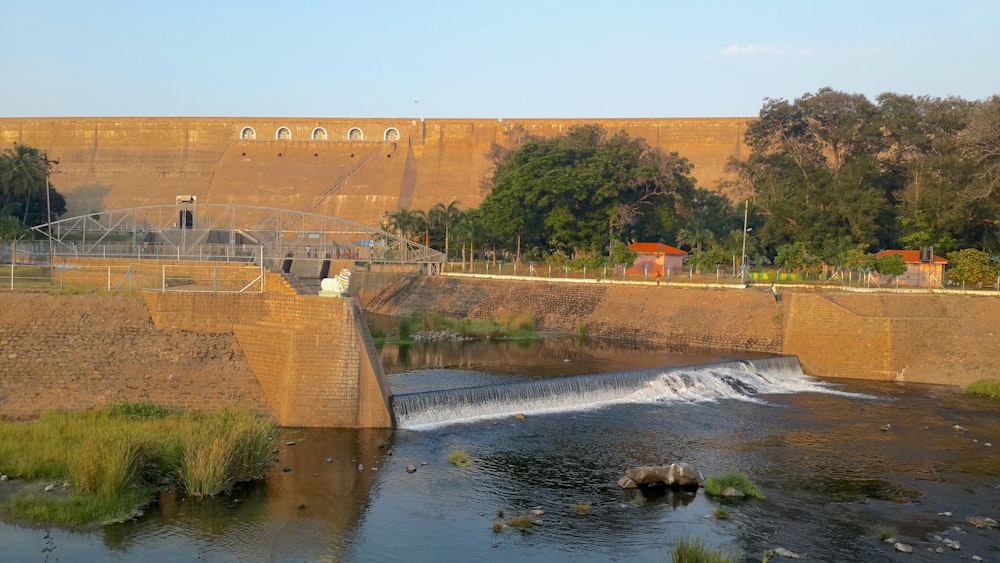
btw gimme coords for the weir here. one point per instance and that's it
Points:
(741, 380)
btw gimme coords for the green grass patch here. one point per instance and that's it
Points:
(510, 326)
(80, 509)
(695, 551)
(985, 387)
(721, 513)
(459, 458)
(114, 456)
(715, 485)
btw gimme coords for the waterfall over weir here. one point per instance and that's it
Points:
(728, 380)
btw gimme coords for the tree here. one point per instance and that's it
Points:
(582, 191)
(622, 254)
(891, 265)
(441, 217)
(409, 224)
(23, 183)
(813, 171)
(971, 266)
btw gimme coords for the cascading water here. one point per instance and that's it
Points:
(728, 380)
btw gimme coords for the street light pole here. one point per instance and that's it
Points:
(48, 210)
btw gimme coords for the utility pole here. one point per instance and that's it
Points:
(743, 256)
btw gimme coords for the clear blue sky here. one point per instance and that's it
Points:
(496, 59)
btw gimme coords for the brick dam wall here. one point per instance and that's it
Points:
(913, 337)
(379, 165)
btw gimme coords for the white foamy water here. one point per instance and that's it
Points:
(742, 380)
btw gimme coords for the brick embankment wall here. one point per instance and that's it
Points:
(79, 352)
(699, 317)
(923, 338)
(300, 359)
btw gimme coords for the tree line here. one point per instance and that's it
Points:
(830, 179)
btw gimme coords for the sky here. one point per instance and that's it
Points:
(497, 59)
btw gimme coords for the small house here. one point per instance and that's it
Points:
(656, 259)
(923, 268)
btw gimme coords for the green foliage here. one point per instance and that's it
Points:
(375, 330)
(623, 255)
(23, 188)
(985, 387)
(695, 551)
(138, 411)
(971, 266)
(796, 257)
(891, 265)
(707, 261)
(715, 485)
(582, 509)
(581, 190)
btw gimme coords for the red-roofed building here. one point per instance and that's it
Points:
(656, 259)
(923, 269)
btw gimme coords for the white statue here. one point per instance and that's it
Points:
(335, 287)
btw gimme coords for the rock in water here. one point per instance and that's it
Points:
(410, 469)
(902, 547)
(626, 483)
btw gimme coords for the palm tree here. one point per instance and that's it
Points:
(408, 223)
(22, 173)
(441, 216)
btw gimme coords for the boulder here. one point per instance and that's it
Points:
(673, 475)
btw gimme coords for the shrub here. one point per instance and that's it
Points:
(985, 387)
(715, 485)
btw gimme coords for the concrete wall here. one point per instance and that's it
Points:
(115, 163)
(914, 337)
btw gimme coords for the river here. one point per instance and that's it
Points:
(839, 460)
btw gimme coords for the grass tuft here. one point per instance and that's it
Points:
(985, 387)
(885, 532)
(721, 513)
(459, 458)
(521, 521)
(715, 485)
(695, 551)
(582, 508)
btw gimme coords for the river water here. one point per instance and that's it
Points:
(838, 460)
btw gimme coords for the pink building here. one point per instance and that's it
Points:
(656, 259)
(923, 269)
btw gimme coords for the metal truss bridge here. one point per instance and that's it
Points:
(227, 232)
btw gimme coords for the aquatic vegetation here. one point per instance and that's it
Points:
(497, 526)
(695, 551)
(716, 485)
(115, 456)
(721, 513)
(985, 387)
(459, 458)
(885, 532)
(513, 326)
(582, 508)
(521, 521)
